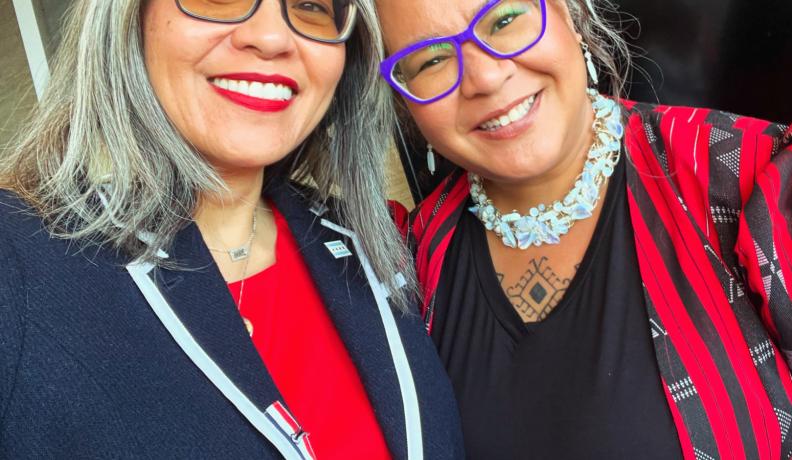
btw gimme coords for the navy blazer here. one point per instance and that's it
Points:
(100, 358)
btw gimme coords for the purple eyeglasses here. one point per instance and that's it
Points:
(432, 69)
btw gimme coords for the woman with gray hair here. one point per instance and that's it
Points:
(602, 278)
(167, 290)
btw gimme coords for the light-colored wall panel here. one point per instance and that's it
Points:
(17, 96)
(398, 189)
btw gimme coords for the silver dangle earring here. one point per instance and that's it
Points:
(592, 71)
(430, 159)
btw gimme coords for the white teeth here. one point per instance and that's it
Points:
(515, 114)
(256, 89)
(270, 91)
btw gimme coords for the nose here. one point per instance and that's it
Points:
(265, 33)
(483, 74)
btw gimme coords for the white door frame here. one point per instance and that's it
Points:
(33, 43)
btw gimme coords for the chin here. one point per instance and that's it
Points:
(244, 160)
(514, 171)
(507, 176)
(517, 179)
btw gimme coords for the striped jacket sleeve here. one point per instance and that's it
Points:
(732, 175)
(764, 244)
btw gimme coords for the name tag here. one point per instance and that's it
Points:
(338, 249)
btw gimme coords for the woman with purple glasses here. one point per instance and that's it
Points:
(170, 287)
(602, 278)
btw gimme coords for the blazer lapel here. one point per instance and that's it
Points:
(352, 307)
(196, 307)
(200, 297)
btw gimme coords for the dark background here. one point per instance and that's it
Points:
(733, 55)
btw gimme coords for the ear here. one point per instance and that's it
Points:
(561, 8)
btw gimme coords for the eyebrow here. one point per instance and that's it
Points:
(430, 36)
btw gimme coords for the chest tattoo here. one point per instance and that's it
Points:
(538, 291)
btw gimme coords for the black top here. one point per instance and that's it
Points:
(583, 383)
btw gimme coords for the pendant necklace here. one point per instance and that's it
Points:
(239, 254)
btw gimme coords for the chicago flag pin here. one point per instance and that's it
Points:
(338, 249)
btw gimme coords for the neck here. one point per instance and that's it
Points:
(226, 216)
(548, 187)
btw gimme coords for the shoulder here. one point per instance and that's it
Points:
(20, 224)
(14, 218)
(26, 246)
(667, 120)
(457, 178)
(447, 198)
(702, 143)
(12, 206)
(24, 232)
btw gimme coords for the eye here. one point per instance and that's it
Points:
(312, 7)
(432, 62)
(431, 58)
(506, 14)
(505, 20)
(502, 22)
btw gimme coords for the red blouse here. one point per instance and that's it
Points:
(309, 363)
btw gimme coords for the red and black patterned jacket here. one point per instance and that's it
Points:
(710, 199)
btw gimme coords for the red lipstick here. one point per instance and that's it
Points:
(255, 103)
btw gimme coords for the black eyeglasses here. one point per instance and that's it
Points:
(325, 21)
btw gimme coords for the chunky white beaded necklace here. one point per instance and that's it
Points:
(546, 224)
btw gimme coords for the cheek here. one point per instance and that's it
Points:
(155, 46)
(436, 121)
(560, 58)
(175, 49)
(170, 56)
(325, 65)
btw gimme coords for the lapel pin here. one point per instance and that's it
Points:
(338, 249)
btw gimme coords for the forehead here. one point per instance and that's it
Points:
(407, 21)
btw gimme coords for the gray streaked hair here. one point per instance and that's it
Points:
(100, 123)
(595, 21)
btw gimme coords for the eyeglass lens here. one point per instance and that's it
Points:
(319, 19)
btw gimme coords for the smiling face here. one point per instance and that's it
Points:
(244, 95)
(511, 120)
